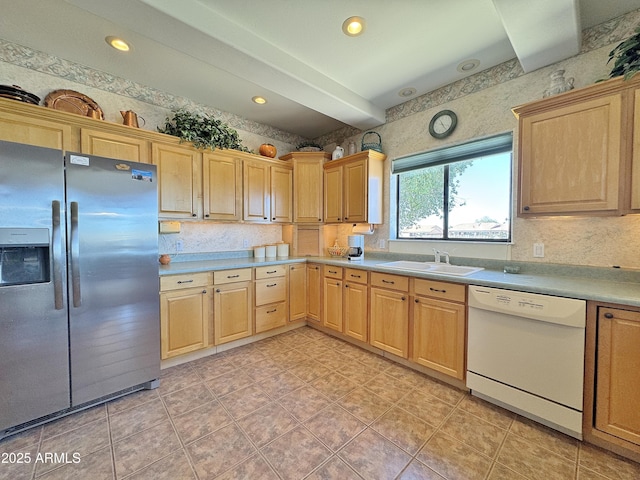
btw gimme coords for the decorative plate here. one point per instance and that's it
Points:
(73, 102)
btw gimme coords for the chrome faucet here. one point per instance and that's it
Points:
(436, 255)
(446, 257)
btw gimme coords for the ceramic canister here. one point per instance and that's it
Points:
(270, 250)
(258, 252)
(283, 249)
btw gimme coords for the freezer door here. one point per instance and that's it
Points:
(34, 354)
(113, 275)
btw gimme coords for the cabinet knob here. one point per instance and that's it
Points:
(217, 290)
(204, 292)
(346, 286)
(608, 315)
(346, 218)
(417, 301)
(193, 215)
(273, 218)
(403, 299)
(265, 218)
(526, 209)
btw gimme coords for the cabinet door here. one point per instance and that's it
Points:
(390, 321)
(314, 293)
(256, 192)
(332, 311)
(297, 292)
(281, 194)
(570, 158)
(184, 321)
(232, 310)
(178, 171)
(354, 206)
(439, 336)
(618, 374)
(333, 194)
(635, 171)
(356, 318)
(307, 190)
(222, 187)
(103, 144)
(35, 131)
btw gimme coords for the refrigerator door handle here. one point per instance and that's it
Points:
(57, 247)
(74, 254)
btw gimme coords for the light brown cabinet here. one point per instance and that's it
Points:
(111, 145)
(612, 378)
(222, 185)
(271, 310)
(232, 305)
(267, 192)
(314, 293)
(23, 123)
(178, 186)
(579, 152)
(307, 185)
(439, 326)
(297, 292)
(353, 188)
(332, 297)
(356, 304)
(389, 313)
(185, 313)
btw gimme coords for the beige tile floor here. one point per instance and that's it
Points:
(303, 405)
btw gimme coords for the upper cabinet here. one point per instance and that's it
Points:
(111, 145)
(307, 185)
(353, 188)
(579, 152)
(268, 188)
(178, 173)
(222, 185)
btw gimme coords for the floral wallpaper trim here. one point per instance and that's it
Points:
(42, 62)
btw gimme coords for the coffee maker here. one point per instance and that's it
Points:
(356, 247)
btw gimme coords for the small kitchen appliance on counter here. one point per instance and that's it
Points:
(356, 247)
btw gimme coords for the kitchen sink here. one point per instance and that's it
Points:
(458, 270)
(431, 267)
(409, 265)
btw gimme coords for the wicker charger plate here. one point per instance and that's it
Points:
(73, 102)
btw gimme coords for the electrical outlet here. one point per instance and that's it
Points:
(179, 246)
(538, 250)
(245, 243)
(382, 243)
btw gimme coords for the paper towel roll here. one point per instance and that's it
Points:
(363, 229)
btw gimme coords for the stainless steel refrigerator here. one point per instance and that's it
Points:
(79, 306)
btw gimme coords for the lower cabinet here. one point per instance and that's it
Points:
(612, 377)
(356, 304)
(314, 293)
(297, 292)
(389, 314)
(271, 310)
(185, 313)
(439, 326)
(332, 297)
(232, 305)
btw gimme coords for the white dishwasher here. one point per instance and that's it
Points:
(525, 353)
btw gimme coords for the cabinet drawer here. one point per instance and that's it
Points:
(230, 276)
(175, 282)
(271, 316)
(454, 292)
(270, 271)
(356, 276)
(394, 282)
(270, 290)
(332, 272)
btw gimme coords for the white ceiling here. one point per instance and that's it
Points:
(221, 53)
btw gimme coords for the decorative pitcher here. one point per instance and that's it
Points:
(337, 153)
(130, 118)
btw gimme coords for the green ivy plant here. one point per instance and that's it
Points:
(203, 131)
(627, 57)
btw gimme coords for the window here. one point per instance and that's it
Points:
(456, 193)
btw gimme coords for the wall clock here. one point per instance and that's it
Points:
(443, 124)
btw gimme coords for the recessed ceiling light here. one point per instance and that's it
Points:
(259, 100)
(468, 65)
(118, 43)
(353, 26)
(407, 92)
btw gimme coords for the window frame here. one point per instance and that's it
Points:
(445, 156)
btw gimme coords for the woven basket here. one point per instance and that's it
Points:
(372, 146)
(338, 251)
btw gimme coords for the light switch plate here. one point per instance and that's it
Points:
(538, 250)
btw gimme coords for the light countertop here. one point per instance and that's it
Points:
(597, 284)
